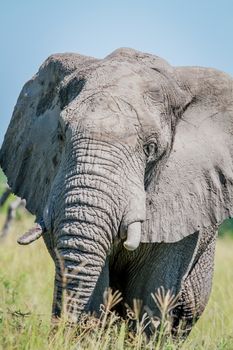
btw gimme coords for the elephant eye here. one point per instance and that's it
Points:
(150, 150)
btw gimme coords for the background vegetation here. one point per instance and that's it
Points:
(26, 285)
(2, 180)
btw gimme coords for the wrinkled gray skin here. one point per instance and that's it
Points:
(127, 162)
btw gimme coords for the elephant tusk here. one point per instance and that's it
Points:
(33, 234)
(133, 236)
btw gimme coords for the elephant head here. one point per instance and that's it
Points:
(124, 148)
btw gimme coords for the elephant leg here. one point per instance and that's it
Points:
(185, 268)
(140, 273)
(196, 286)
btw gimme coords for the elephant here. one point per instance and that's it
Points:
(126, 162)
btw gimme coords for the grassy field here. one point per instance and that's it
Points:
(26, 285)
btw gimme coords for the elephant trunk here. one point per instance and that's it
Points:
(89, 212)
(83, 240)
(80, 260)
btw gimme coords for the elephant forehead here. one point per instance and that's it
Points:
(109, 117)
(116, 76)
(112, 102)
(105, 114)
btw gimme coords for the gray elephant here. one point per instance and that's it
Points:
(127, 164)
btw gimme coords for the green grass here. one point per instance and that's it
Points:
(26, 287)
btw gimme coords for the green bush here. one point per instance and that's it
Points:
(2, 181)
(226, 228)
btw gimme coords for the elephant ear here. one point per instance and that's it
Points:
(195, 187)
(33, 144)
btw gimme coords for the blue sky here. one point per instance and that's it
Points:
(183, 32)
